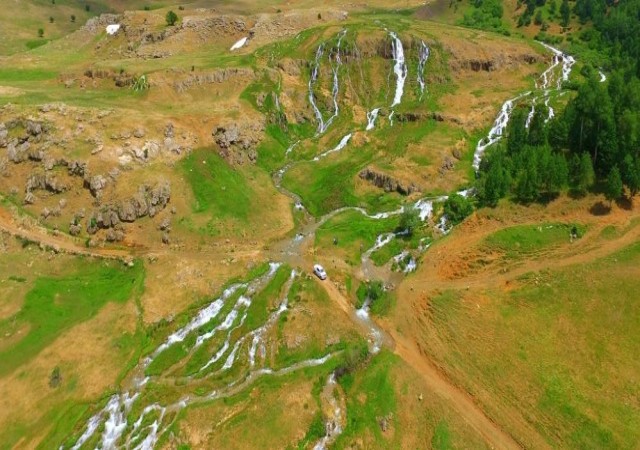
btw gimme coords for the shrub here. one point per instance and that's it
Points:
(171, 18)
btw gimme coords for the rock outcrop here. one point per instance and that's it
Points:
(238, 142)
(148, 201)
(388, 183)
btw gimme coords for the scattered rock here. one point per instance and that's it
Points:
(168, 131)
(46, 181)
(389, 184)
(243, 138)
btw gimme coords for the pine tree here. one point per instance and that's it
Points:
(614, 187)
(631, 174)
(565, 13)
(517, 131)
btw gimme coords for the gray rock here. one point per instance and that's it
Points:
(138, 132)
(33, 128)
(169, 131)
(75, 229)
(4, 133)
(46, 182)
(77, 168)
(386, 182)
(114, 235)
(29, 198)
(165, 238)
(95, 184)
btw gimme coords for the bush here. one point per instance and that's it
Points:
(409, 220)
(171, 18)
(456, 208)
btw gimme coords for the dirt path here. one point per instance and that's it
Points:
(437, 382)
(60, 243)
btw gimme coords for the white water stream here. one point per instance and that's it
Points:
(248, 351)
(423, 56)
(399, 67)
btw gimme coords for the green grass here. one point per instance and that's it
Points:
(567, 336)
(267, 299)
(355, 233)
(370, 396)
(12, 75)
(218, 189)
(54, 305)
(441, 439)
(523, 240)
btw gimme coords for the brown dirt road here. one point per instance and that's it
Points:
(60, 243)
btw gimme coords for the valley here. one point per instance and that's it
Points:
(167, 189)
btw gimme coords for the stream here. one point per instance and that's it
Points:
(243, 357)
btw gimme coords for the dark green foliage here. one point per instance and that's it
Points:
(40, 32)
(631, 173)
(375, 293)
(409, 220)
(614, 187)
(565, 13)
(456, 208)
(485, 14)
(171, 18)
(516, 131)
(582, 175)
(495, 178)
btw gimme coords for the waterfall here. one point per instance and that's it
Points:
(423, 56)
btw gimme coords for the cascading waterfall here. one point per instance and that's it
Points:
(423, 56)
(113, 417)
(399, 67)
(532, 112)
(315, 72)
(342, 144)
(497, 130)
(335, 90)
(371, 119)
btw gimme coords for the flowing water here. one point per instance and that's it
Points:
(423, 56)
(399, 67)
(335, 89)
(237, 359)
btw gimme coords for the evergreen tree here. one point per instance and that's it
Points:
(582, 173)
(171, 18)
(517, 131)
(495, 179)
(631, 174)
(537, 129)
(557, 173)
(614, 187)
(456, 208)
(565, 13)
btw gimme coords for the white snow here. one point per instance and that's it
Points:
(113, 29)
(239, 44)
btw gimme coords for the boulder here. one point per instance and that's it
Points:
(386, 182)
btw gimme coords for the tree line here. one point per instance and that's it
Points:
(596, 139)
